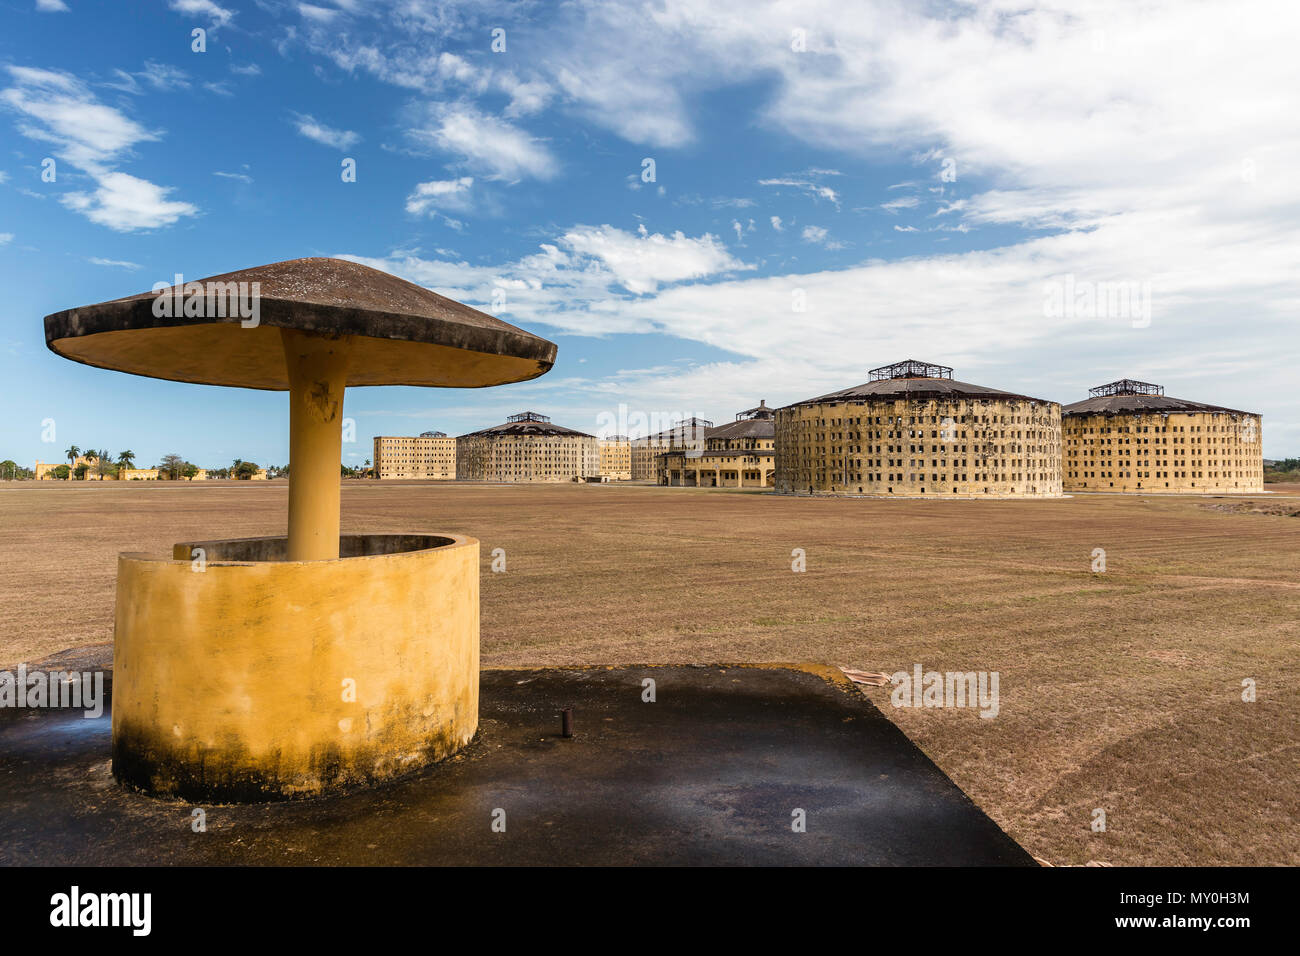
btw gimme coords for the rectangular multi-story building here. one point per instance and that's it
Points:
(429, 456)
(616, 458)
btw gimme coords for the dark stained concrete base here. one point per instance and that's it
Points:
(710, 773)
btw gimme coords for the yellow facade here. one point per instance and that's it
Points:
(1190, 453)
(240, 675)
(740, 454)
(909, 434)
(527, 447)
(44, 470)
(1128, 436)
(139, 474)
(430, 456)
(616, 458)
(687, 435)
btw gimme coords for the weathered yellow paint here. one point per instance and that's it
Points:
(1213, 452)
(230, 676)
(966, 447)
(318, 372)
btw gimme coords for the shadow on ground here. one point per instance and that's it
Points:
(712, 772)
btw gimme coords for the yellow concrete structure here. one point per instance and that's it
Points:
(275, 668)
(615, 458)
(137, 474)
(44, 470)
(372, 669)
(1128, 436)
(687, 435)
(913, 430)
(527, 447)
(740, 454)
(430, 456)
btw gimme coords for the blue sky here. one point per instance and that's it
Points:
(836, 187)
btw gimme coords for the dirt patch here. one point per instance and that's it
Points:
(1286, 508)
(1119, 690)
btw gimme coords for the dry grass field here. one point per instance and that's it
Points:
(1119, 690)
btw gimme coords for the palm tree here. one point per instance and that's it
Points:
(72, 453)
(126, 459)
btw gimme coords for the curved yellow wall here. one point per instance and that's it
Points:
(965, 448)
(232, 682)
(1164, 453)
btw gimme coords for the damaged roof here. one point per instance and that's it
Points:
(1129, 404)
(531, 426)
(744, 428)
(915, 388)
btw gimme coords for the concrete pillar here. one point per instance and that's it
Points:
(318, 370)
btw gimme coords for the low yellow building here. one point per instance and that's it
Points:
(44, 470)
(737, 455)
(913, 430)
(615, 458)
(430, 456)
(139, 474)
(1129, 436)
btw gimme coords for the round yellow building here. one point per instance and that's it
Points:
(527, 447)
(1129, 436)
(913, 430)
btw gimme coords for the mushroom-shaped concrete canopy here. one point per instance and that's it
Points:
(225, 330)
(313, 326)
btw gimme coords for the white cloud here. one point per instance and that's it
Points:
(210, 11)
(308, 126)
(160, 77)
(125, 203)
(320, 14)
(239, 177)
(817, 235)
(114, 263)
(6, 237)
(488, 145)
(776, 223)
(642, 262)
(437, 195)
(58, 109)
(51, 6)
(246, 69)
(816, 190)
(526, 96)
(1156, 141)
(903, 202)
